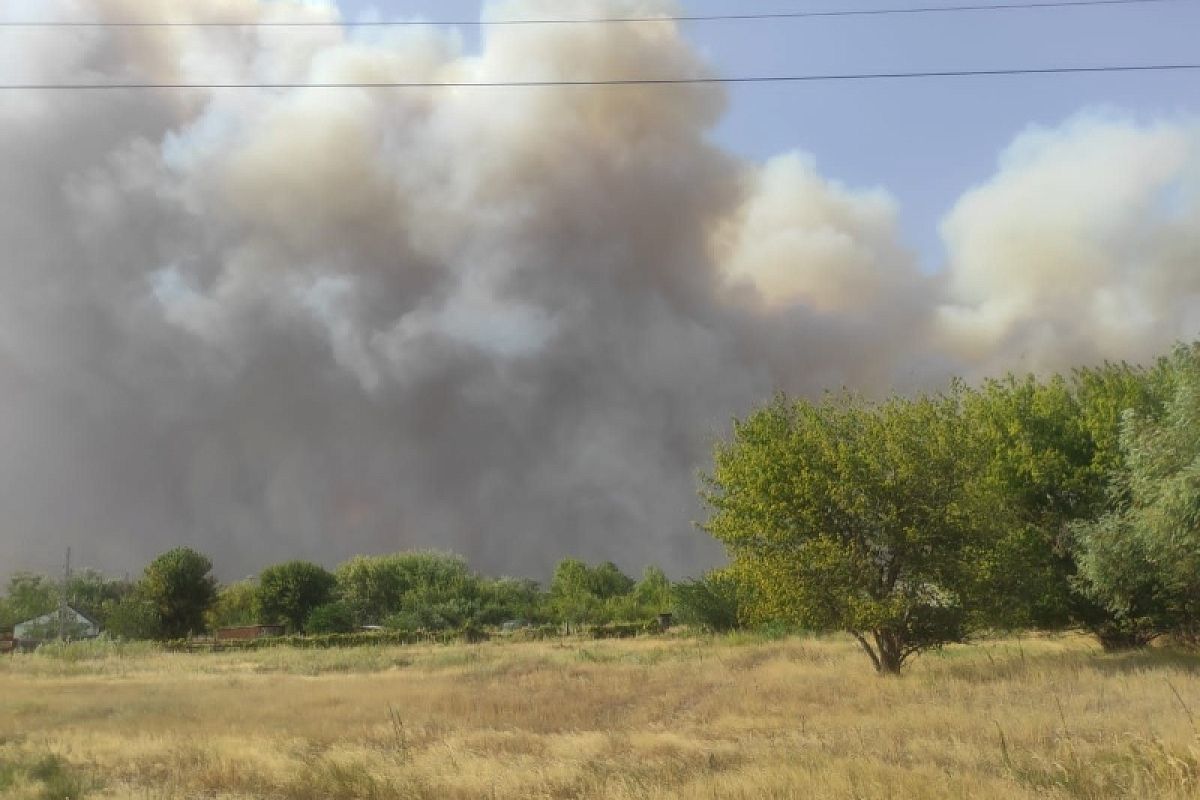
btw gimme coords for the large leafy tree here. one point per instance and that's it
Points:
(1142, 559)
(1038, 456)
(289, 592)
(571, 595)
(653, 591)
(1051, 446)
(855, 516)
(418, 589)
(179, 588)
(580, 593)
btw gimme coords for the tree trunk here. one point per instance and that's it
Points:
(891, 653)
(887, 654)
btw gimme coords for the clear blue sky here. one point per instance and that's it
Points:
(924, 141)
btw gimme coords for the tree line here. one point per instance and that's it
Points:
(1070, 501)
(177, 596)
(1067, 501)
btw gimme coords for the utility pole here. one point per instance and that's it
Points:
(62, 598)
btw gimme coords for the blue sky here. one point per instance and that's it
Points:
(924, 141)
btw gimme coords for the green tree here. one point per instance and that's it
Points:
(332, 617)
(1040, 456)
(710, 602)
(653, 591)
(507, 599)
(289, 592)
(860, 517)
(134, 617)
(1051, 446)
(579, 593)
(418, 589)
(1142, 559)
(606, 580)
(236, 605)
(95, 594)
(571, 599)
(180, 588)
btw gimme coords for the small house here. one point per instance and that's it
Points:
(68, 622)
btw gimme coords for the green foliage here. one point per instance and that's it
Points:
(95, 594)
(653, 591)
(1142, 559)
(867, 518)
(435, 615)
(422, 583)
(571, 598)
(607, 581)
(236, 605)
(1041, 460)
(333, 617)
(29, 595)
(135, 617)
(1052, 446)
(289, 592)
(710, 603)
(601, 594)
(507, 599)
(180, 588)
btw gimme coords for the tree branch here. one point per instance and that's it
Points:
(866, 646)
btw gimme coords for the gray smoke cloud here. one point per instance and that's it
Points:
(506, 322)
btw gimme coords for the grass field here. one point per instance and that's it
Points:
(732, 717)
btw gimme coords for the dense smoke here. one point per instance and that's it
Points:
(1084, 246)
(506, 322)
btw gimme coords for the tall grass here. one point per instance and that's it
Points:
(719, 717)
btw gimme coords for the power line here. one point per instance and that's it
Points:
(780, 15)
(849, 76)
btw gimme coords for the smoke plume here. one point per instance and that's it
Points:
(507, 322)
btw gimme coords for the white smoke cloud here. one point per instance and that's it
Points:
(1085, 245)
(509, 322)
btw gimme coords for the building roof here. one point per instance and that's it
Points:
(50, 615)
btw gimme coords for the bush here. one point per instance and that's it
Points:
(94, 650)
(710, 603)
(289, 592)
(334, 617)
(134, 617)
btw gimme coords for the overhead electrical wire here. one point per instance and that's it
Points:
(813, 78)
(746, 16)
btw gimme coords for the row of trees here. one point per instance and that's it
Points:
(177, 596)
(1071, 501)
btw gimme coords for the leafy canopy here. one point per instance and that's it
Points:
(1142, 559)
(856, 516)
(289, 592)
(179, 588)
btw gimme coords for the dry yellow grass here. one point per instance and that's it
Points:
(724, 718)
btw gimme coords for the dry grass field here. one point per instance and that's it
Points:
(655, 718)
